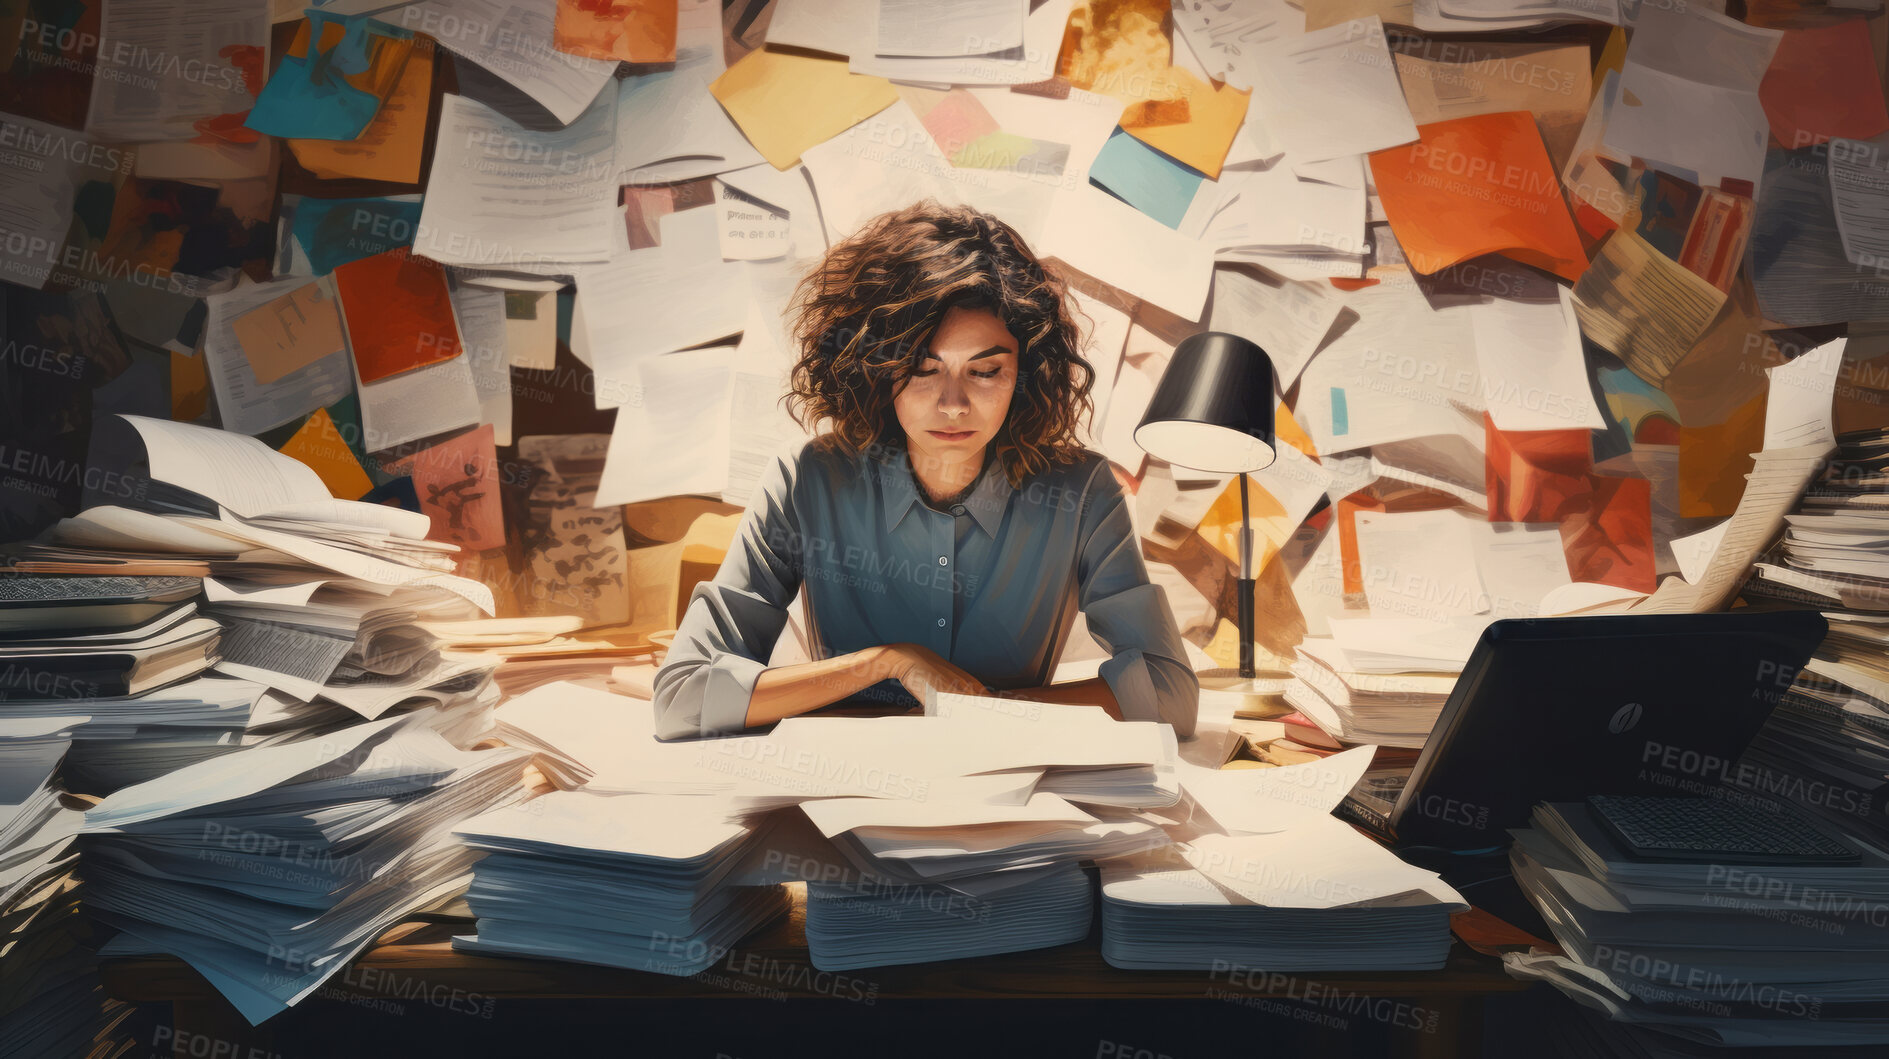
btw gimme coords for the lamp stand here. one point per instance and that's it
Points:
(1259, 695)
(1247, 584)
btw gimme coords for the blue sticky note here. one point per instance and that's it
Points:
(308, 97)
(1146, 179)
(1340, 415)
(333, 232)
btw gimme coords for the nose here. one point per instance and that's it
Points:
(952, 400)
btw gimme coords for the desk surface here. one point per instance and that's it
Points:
(1066, 971)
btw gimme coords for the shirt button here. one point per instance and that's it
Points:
(941, 622)
(942, 561)
(958, 509)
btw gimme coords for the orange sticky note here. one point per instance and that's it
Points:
(190, 387)
(390, 147)
(288, 333)
(398, 313)
(786, 102)
(1474, 186)
(636, 31)
(320, 447)
(1203, 137)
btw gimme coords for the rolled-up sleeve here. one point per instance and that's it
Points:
(733, 620)
(1130, 617)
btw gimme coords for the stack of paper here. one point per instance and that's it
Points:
(625, 881)
(1829, 736)
(1721, 952)
(50, 1003)
(939, 839)
(880, 923)
(1385, 709)
(1317, 896)
(132, 739)
(176, 645)
(270, 868)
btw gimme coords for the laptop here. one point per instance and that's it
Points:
(1556, 709)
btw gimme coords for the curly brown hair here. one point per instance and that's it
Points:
(863, 319)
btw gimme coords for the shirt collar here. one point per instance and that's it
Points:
(900, 490)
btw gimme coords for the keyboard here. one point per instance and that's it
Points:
(1657, 827)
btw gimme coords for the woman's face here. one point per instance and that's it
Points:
(956, 401)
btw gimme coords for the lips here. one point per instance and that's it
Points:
(951, 435)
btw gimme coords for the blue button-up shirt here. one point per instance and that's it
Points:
(991, 584)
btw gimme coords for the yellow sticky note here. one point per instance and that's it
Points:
(320, 446)
(1203, 139)
(389, 148)
(786, 103)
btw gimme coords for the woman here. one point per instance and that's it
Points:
(948, 526)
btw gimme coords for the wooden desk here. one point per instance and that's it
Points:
(423, 953)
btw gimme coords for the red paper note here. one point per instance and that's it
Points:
(399, 316)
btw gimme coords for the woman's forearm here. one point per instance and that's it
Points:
(1093, 691)
(785, 691)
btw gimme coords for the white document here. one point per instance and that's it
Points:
(837, 27)
(511, 38)
(1521, 564)
(1332, 92)
(155, 75)
(1798, 409)
(967, 27)
(655, 826)
(1118, 244)
(1273, 207)
(1420, 564)
(503, 196)
(671, 437)
(418, 404)
(479, 313)
(1225, 37)
(1033, 60)
(1263, 801)
(229, 777)
(1534, 373)
(1128, 402)
(1859, 189)
(890, 160)
(751, 230)
(248, 406)
(1694, 552)
(1401, 370)
(1323, 863)
(238, 472)
(670, 127)
(650, 302)
(1286, 319)
(1684, 63)
(1104, 333)
(834, 816)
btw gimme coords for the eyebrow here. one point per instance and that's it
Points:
(991, 352)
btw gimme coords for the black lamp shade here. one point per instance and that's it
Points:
(1213, 408)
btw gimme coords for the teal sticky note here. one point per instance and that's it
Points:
(333, 232)
(1146, 179)
(1340, 415)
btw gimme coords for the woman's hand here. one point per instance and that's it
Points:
(920, 668)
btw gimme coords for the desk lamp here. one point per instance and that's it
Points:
(1213, 412)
